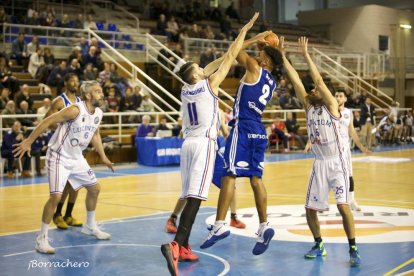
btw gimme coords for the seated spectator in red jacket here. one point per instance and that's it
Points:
(279, 128)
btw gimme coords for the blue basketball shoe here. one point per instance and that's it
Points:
(264, 236)
(354, 258)
(317, 250)
(217, 232)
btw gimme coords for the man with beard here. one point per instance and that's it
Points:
(66, 99)
(78, 125)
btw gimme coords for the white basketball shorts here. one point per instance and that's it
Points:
(328, 174)
(60, 170)
(197, 166)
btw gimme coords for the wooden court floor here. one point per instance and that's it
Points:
(127, 195)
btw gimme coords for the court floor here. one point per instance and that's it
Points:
(136, 201)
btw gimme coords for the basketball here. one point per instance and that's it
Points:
(272, 39)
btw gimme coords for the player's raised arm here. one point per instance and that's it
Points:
(326, 94)
(293, 75)
(217, 78)
(64, 115)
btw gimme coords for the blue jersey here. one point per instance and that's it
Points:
(66, 100)
(251, 98)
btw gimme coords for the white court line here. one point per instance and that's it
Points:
(223, 261)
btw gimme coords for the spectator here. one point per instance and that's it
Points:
(75, 68)
(105, 74)
(183, 35)
(4, 97)
(19, 49)
(137, 98)
(64, 23)
(24, 110)
(367, 122)
(194, 32)
(78, 24)
(112, 101)
(146, 104)
(35, 63)
(24, 95)
(94, 42)
(10, 109)
(161, 28)
(176, 130)
(288, 102)
(49, 21)
(408, 127)
(89, 23)
(293, 127)
(208, 33)
(145, 129)
(216, 14)
(76, 53)
(38, 149)
(206, 57)
(274, 104)
(89, 73)
(35, 20)
(161, 126)
(173, 29)
(225, 27)
(48, 57)
(14, 136)
(57, 76)
(108, 85)
(3, 19)
(84, 46)
(91, 57)
(386, 130)
(6, 77)
(279, 129)
(41, 111)
(33, 45)
(120, 82)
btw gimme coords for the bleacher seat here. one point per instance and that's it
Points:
(100, 26)
(71, 23)
(42, 40)
(140, 47)
(126, 37)
(112, 27)
(14, 30)
(127, 45)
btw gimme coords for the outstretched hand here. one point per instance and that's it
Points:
(281, 46)
(21, 148)
(249, 25)
(303, 45)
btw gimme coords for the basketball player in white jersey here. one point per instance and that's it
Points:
(65, 99)
(200, 113)
(170, 226)
(348, 131)
(330, 169)
(78, 126)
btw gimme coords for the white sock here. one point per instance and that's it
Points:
(352, 196)
(44, 229)
(263, 224)
(219, 222)
(90, 219)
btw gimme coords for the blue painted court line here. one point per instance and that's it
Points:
(135, 250)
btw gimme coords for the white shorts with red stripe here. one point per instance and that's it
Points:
(329, 174)
(198, 155)
(61, 169)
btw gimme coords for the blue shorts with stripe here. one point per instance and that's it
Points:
(219, 164)
(245, 149)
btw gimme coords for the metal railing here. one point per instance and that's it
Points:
(347, 78)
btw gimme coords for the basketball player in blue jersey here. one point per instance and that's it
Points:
(200, 128)
(66, 99)
(330, 170)
(246, 145)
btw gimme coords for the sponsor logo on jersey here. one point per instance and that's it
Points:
(319, 122)
(242, 164)
(253, 106)
(374, 224)
(193, 92)
(74, 142)
(256, 136)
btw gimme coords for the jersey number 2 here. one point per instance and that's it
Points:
(192, 113)
(265, 92)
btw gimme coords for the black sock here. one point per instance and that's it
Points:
(174, 216)
(318, 240)
(351, 242)
(233, 216)
(186, 220)
(69, 209)
(59, 209)
(351, 184)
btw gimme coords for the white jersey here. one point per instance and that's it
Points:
(200, 110)
(346, 117)
(324, 132)
(72, 137)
